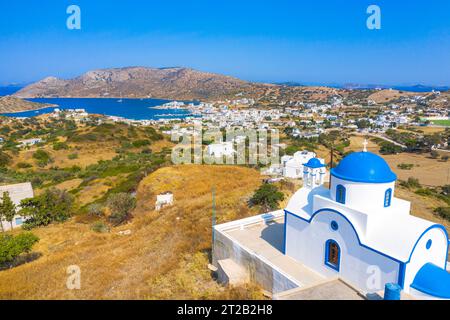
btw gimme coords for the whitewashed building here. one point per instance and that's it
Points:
(358, 228)
(17, 193)
(356, 232)
(163, 200)
(29, 142)
(218, 150)
(293, 165)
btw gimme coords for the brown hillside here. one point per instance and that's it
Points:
(13, 104)
(164, 257)
(138, 82)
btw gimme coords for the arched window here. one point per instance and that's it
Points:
(332, 254)
(340, 194)
(387, 198)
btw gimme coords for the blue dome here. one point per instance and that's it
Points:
(364, 167)
(314, 163)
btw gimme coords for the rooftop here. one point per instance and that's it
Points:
(365, 167)
(266, 240)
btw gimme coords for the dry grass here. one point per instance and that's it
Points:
(383, 96)
(69, 184)
(431, 172)
(88, 153)
(430, 130)
(356, 144)
(422, 206)
(157, 146)
(165, 256)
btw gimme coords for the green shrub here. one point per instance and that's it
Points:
(52, 206)
(405, 166)
(23, 165)
(43, 157)
(11, 247)
(141, 143)
(60, 146)
(5, 159)
(389, 148)
(36, 182)
(120, 205)
(267, 196)
(95, 209)
(443, 212)
(72, 156)
(411, 183)
(100, 227)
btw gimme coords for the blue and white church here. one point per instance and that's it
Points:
(359, 231)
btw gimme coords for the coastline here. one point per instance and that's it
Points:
(132, 109)
(111, 97)
(28, 110)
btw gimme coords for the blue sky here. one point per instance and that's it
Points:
(283, 40)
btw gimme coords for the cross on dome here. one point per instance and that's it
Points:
(365, 143)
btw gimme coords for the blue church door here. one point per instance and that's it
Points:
(332, 254)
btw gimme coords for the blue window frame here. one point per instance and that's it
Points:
(332, 255)
(18, 221)
(334, 225)
(340, 194)
(387, 198)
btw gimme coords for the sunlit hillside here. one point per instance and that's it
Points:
(165, 256)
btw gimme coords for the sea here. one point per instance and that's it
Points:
(134, 109)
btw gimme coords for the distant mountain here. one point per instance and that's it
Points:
(290, 84)
(139, 82)
(9, 104)
(413, 88)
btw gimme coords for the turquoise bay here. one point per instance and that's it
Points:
(135, 109)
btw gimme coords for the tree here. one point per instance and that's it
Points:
(443, 212)
(95, 210)
(52, 206)
(7, 208)
(120, 205)
(411, 183)
(446, 189)
(267, 196)
(60, 146)
(11, 247)
(5, 159)
(43, 157)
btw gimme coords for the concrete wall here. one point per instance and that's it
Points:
(359, 266)
(259, 269)
(7, 226)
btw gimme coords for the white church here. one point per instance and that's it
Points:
(359, 223)
(356, 230)
(293, 165)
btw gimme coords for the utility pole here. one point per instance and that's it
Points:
(331, 164)
(213, 220)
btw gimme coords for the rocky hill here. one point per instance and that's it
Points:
(139, 82)
(12, 104)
